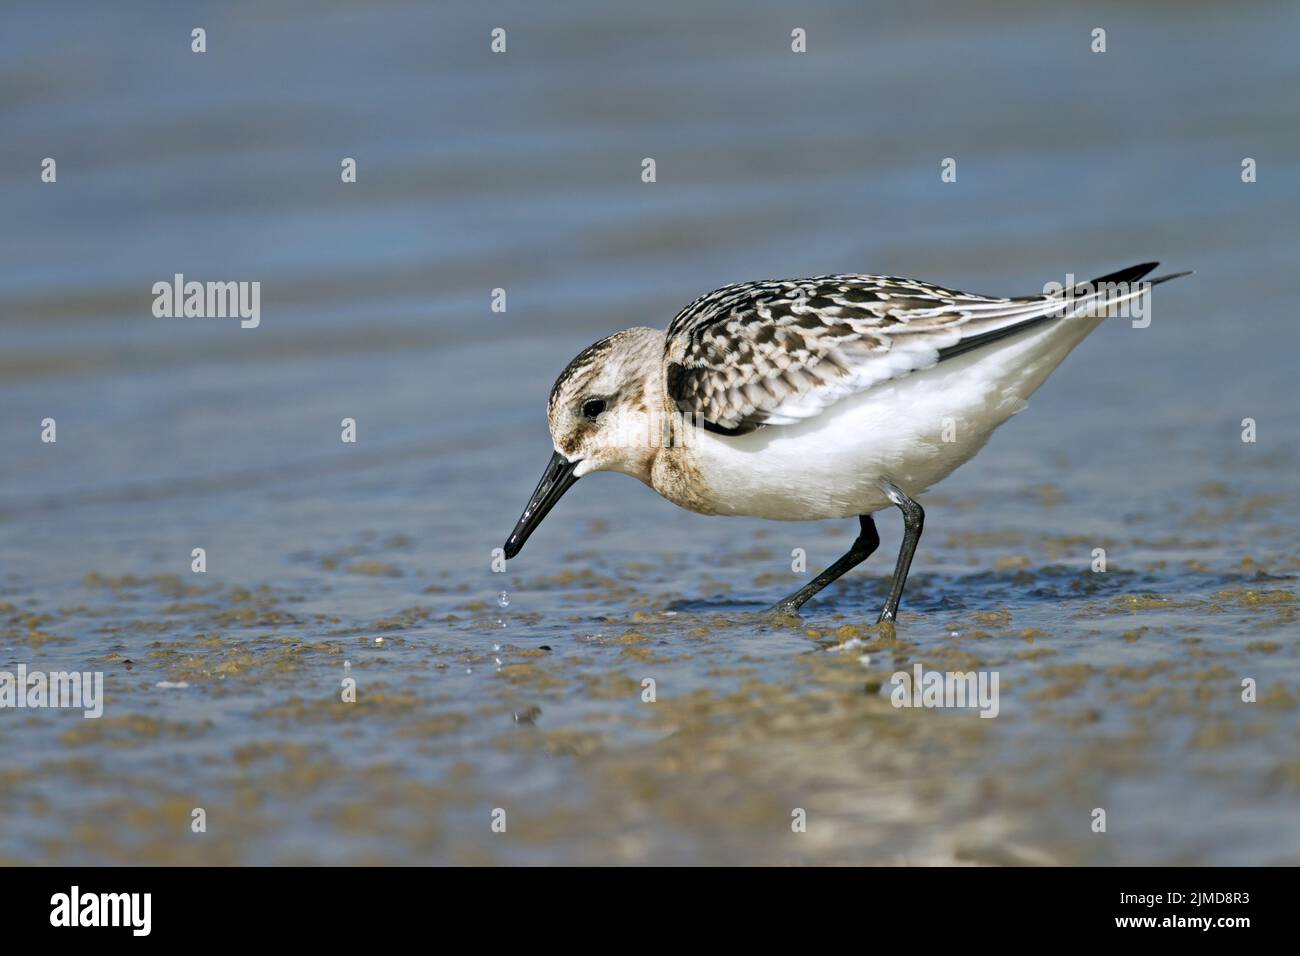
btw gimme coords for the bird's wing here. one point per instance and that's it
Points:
(777, 351)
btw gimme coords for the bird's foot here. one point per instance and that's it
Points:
(782, 611)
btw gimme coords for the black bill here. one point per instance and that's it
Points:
(557, 479)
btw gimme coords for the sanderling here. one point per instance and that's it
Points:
(801, 399)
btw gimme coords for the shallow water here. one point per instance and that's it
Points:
(1119, 690)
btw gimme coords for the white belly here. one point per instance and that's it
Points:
(914, 431)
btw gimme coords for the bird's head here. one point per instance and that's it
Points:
(604, 415)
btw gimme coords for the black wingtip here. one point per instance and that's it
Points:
(1173, 275)
(1131, 274)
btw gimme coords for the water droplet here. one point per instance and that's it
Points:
(379, 640)
(504, 599)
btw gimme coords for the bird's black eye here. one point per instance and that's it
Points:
(592, 408)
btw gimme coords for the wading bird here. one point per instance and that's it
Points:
(802, 399)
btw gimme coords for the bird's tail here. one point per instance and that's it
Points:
(1102, 294)
(1088, 300)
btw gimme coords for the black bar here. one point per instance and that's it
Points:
(359, 906)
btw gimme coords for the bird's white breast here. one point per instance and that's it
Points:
(913, 431)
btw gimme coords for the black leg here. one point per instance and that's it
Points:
(866, 542)
(913, 521)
